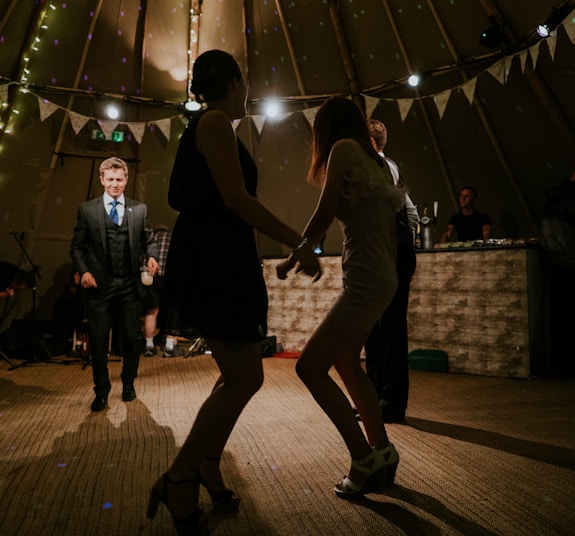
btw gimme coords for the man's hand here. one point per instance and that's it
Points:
(88, 281)
(153, 266)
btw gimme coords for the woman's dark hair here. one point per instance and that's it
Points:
(213, 70)
(337, 118)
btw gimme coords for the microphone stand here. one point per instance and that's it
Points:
(35, 271)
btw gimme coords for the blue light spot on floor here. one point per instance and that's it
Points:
(107, 505)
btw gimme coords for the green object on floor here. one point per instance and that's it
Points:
(432, 360)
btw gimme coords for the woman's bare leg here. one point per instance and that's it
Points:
(241, 377)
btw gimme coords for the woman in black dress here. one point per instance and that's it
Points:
(213, 284)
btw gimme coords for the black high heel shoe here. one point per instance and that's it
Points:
(194, 524)
(225, 500)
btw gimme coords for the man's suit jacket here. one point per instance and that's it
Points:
(89, 244)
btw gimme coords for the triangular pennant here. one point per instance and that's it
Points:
(138, 130)
(469, 89)
(47, 108)
(107, 127)
(441, 101)
(370, 105)
(309, 114)
(552, 44)
(4, 93)
(569, 26)
(78, 121)
(523, 60)
(165, 126)
(534, 53)
(259, 122)
(507, 66)
(497, 71)
(404, 107)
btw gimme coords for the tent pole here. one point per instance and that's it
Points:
(80, 70)
(436, 147)
(345, 53)
(291, 48)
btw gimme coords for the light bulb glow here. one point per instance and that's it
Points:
(112, 111)
(273, 109)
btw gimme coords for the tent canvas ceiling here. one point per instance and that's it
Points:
(500, 118)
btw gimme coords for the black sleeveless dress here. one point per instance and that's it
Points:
(213, 282)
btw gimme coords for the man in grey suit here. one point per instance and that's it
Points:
(111, 235)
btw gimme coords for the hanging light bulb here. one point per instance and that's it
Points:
(112, 111)
(550, 24)
(273, 109)
(414, 80)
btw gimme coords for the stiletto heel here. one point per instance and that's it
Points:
(194, 524)
(225, 500)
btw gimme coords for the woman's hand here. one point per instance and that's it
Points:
(305, 260)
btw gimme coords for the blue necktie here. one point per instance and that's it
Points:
(114, 212)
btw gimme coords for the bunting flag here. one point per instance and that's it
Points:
(310, 113)
(497, 71)
(569, 27)
(107, 127)
(47, 108)
(78, 121)
(4, 92)
(370, 105)
(404, 107)
(469, 89)
(523, 60)
(441, 101)
(259, 121)
(507, 61)
(552, 44)
(165, 125)
(138, 130)
(534, 53)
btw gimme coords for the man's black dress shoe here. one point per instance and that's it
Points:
(128, 392)
(99, 403)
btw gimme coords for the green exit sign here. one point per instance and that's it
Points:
(117, 135)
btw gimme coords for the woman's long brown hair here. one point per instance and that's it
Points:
(338, 118)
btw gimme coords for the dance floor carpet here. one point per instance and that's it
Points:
(479, 455)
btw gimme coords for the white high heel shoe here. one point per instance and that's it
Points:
(380, 467)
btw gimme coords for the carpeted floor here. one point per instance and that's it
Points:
(479, 455)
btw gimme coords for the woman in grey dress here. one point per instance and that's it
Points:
(358, 191)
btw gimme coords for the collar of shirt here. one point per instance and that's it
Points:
(108, 199)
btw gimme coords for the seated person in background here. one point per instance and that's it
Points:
(13, 279)
(469, 223)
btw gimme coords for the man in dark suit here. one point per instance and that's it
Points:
(111, 234)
